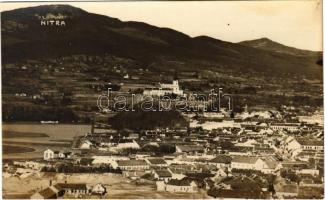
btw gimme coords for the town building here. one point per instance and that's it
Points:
(162, 175)
(157, 162)
(265, 165)
(221, 161)
(133, 165)
(46, 193)
(303, 147)
(191, 149)
(50, 154)
(291, 127)
(73, 188)
(175, 185)
(164, 89)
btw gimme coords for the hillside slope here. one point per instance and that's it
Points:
(24, 38)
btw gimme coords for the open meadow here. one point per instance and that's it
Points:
(118, 186)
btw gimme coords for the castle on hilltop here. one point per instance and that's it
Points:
(164, 89)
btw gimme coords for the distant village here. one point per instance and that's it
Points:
(254, 154)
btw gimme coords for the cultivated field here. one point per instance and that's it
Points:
(9, 149)
(21, 139)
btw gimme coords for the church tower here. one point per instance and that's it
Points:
(175, 83)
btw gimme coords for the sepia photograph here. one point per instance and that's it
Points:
(162, 99)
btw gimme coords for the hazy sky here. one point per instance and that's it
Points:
(293, 23)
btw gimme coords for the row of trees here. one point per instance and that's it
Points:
(70, 168)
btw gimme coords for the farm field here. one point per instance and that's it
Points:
(13, 134)
(30, 140)
(9, 149)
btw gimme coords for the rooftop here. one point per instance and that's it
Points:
(310, 142)
(177, 182)
(131, 162)
(157, 161)
(221, 159)
(163, 173)
(245, 159)
(190, 148)
(47, 193)
(79, 186)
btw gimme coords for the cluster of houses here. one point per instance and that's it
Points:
(74, 190)
(262, 153)
(174, 172)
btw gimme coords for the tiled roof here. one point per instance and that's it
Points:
(237, 194)
(177, 182)
(75, 186)
(199, 175)
(163, 173)
(157, 161)
(190, 148)
(221, 159)
(272, 164)
(245, 159)
(309, 142)
(131, 162)
(47, 193)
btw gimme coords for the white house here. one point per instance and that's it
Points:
(297, 145)
(50, 154)
(311, 144)
(266, 165)
(313, 172)
(99, 189)
(128, 145)
(244, 162)
(192, 149)
(186, 186)
(174, 185)
(292, 127)
(133, 165)
(73, 188)
(108, 160)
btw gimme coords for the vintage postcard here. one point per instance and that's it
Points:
(162, 100)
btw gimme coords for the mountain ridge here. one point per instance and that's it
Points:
(88, 33)
(270, 45)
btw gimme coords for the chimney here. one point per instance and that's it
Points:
(50, 182)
